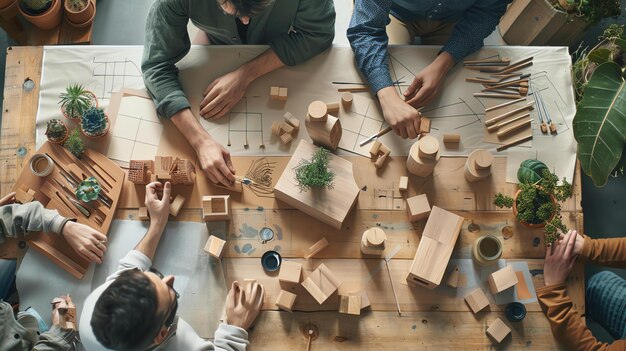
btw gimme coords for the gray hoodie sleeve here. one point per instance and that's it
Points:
(56, 339)
(19, 219)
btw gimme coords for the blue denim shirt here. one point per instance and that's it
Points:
(476, 19)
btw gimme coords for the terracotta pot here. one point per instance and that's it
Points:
(47, 20)
(82, 18)
(566, 6)
(8, 8)
(67, 134)
(106, 130)
(94, 100)
(531, 225)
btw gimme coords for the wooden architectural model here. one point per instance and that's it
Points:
(403, 184)
(321, 283)
(373, 241)
(350, 304)
(379, 153)
(214, 246)
(330, 206)
(498, 330)
(423, 156)
(286, 300)
(216, 208)
(478, 165)
(143, 214)
(502, 279)
(453, 278)
(435, 247)
(290, 272)
(140, 171)
(278, 93)
(317, 247)
(177, 204)
(327, 133)
(292, 120)
(424, 125)
(317, 112)
(477, 300)
(346, 99)
(417, 207)
(176, 170)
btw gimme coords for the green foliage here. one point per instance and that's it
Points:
(56, 130)
(94, 121)
(36, 5)
(88, 189)
(593, 10)
(314, 173)
(503, 201)
(75, 101)
(77, 5)
(75, 144)
(530, 171)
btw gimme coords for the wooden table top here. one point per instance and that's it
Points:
(430, 322)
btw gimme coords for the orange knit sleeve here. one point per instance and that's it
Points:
(604, 252)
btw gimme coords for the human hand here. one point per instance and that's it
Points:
(428, 83)
(222, 94)
(560, 258)
(8, 199)
(243, 304)
(402, 117)
(158, 209)
(216, 163)
(86, 241)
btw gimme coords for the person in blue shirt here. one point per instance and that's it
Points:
(459, 25)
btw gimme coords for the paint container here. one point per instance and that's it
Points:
(271, 261)
(515, 311)
(41, 165)
(486, 250)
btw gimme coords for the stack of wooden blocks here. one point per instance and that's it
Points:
(287, 129)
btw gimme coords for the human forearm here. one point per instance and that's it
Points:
(190, 128)
(17, 219)
(267, 62)
(605, 252)
(150, 241)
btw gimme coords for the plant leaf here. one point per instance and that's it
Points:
(600, 122)
(599, 56)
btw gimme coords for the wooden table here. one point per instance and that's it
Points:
(442, 322)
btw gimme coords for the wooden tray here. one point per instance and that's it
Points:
(111, 179)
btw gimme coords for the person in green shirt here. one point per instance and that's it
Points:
(295, 31)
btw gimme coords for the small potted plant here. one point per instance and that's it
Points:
(537, 202)
(76, 100)
(314, 173)
(88, 190)
(80, 13)
(75, 144)
(45, 14)
(95, 123)
(56, 131)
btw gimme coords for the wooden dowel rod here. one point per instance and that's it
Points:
(507, 114)
(504, 104)
(498, 96)
(515, 142)
(354, 88)
(502, 124)
(511, 129)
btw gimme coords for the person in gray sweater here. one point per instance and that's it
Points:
(135, 309)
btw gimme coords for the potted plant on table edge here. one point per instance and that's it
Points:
(75, 144)
(80, 13)
(45, 14)
(94, 123)
(314, 173)
(56, 131)
(76, 100)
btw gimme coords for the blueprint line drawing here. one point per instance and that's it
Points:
(114, 75)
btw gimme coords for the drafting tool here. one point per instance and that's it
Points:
(507, 114)
(379, 134)
(74, 182)
(65, 203)
(504, 104)
(543, 126)
(244, 180)
(502, 124)
(514, 128)
(387, 258)
(495, 58)
(542, 104)
(515, 142)
(100, 177)
(498, 95)
(80, 207)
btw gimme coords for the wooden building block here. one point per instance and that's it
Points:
(276, 130)
(373, 241)
(321, 283)
(450, 138)
(292, 120)
(216, 208)
(214, 246)
(286, 127)
(424, 125)
(350, 304)
(143, 214)
(286, 300)
(403, 184)
(24, 197)
(435, 247)
(502, 279)
(177, 204)
(346, 99)
(375, 149)
(365, 300)
(236, 187)
(478, 165)
(477, 300)
(286, 138)
(317, 112)
(379, 153)
(330, 206)
(326, 134)
(274, 91)
(423, 156)
(417, 207)
(332, 107)
(290, 272)
(317, 247)
(282, 94)
(453, 279)
(498, 330)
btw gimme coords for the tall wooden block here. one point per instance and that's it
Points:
(477, 300)
(286, 300)
(478, 165)
(498, 330)
(214, 246)
(435, 248)
(373, 241)
(423, 156)
(350, 304)
(330, 206)
(177, 204)
(321, 283)
(502, 279)
(216, 208)
(292, 120)
(143, 214)
(274, 91)
(417, 207)
(317, 247)
(403, 184)
(282, 94)
(424, 125)
(290, 272)
(326, 133)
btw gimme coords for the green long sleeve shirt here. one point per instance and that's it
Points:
(295, 29)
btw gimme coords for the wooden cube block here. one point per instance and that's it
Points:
(290, 272)
(292, 120)
(383, 154)
(477, 300)
(350, 304)
(216, 208)
(321, 283)
(176, 205)
(424, 125)
(498, 330)
(143, 214)
(286, 127)
(274, 91)
(282, 94)
(403, 184)
(317, 247)
(417, 207)
(214, 246)
(374, 150)
(286, 300)
(276, 128)
(365, 300)
(24, 197)
(453, 279)
(502, 279)
(286, 138)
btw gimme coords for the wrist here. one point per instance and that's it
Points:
(387, 94)
(158, 224)
(444, 62)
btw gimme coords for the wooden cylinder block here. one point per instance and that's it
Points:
(451, 138)
(318, 111)
(422, 166)
(478, 165)
(373, 241)
(332, 107)
(346, 99)
(428, 147)
(326, 134)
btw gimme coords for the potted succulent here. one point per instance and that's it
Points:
(75, 144)
(314, 173)
(76, 100)
(80, 13)
(88, 190)
(591, 11)
(537, 202)
(56, 131)
(45, 14)
(95, 123)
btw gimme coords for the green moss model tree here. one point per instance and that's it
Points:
(314, 173)
(75, 144)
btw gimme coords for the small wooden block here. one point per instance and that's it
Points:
(417, 207)
(214, 246)
(403, 184)
(317, 247)
(282, 94)
(286, 138)
(321, 283)
(290, 272)
(453, 279)
(373, 241)
(292, 120)
(424, 125)
(477, 300)
(502, 279)
(318, 112)
(286, 300)
(553, 128)
(23, 197)
(216, 208)
(332, 107)
(274, 91)
(68, 317)
(286, 127)
(428, 147)
(451, 138)
(498, 330)
(177, 204)
(350, 304)
(365, 300)
(383, 155)
(143, 214)
(276, 128)
(375, 149)
(346, 99)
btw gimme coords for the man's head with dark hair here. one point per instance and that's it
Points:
(244, 8)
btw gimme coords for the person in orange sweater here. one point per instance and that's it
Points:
(605, 295)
